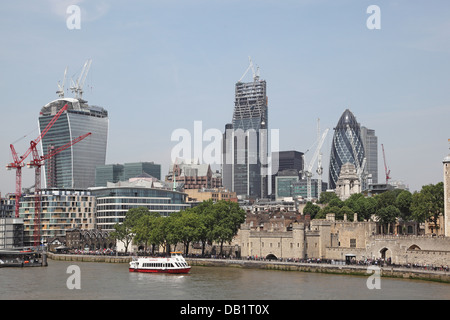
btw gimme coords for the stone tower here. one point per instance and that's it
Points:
(446, 163)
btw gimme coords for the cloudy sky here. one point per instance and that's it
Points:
(158, 66)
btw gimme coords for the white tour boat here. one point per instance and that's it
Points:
(174, 264)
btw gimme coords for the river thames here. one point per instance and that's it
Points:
(113, 281)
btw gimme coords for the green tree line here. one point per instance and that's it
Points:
(208, 222)
(388, 207)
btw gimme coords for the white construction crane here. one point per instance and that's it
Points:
(77, 88)
(255, 72)
(307, 173)
(60, 91)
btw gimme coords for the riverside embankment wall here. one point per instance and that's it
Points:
(441, 276)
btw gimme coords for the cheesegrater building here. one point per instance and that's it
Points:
(74, 167)
(347, 146)
(245, 145)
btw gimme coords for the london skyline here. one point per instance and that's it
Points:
(184, 58)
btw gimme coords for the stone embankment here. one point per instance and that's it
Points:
(359, 270)
(89, 258)
(405, 273)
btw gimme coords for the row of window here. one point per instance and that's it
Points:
(114, 210)
(164, 265)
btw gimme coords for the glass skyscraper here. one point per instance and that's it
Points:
(347, 146)
(122, 172)
(245, 142)
(370, 141)
(75, 166)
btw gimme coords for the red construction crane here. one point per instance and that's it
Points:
(37, 163)
(18, 161)
(386, 171)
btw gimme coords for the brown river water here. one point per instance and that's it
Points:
(105, 281)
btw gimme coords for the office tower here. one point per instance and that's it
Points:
(123, 172)
(245, 143)
(132, 170)
(300, 188)
(75, 166)
(347, 146)
(370, 143)
(108, 173)
(114, 201)
(287, 160)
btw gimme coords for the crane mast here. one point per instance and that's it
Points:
(37, 162)
(255, 72)
(386, 171)
(77, 87)
(60, 91)
(17, 163)
(307, 173)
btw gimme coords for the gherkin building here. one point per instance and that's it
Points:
(347, 146)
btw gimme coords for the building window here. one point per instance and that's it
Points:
(352, 243)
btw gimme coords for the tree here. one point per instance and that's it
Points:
(344, 211)
(311, 209)
(322, 214)
(145, 229)
(403, 203)
(385, 199)
(228, 218)
(170, 230)
(352, 201)
(387, 216)
(207, 221)
(134, 214)
(326, 197)
(190, 228)
(123, 233)
(428, 204)
(336, 202)
(365, 207)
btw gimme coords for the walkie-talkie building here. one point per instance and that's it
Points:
(74, 167)
(347, 146)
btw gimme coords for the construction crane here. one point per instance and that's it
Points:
(77, 87)
(307, 173)
(319, 169)
(17, 163)
(386, 171)
(37, 162)
(255, 72)
(60, 91)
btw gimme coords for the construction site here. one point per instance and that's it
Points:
(24, 232)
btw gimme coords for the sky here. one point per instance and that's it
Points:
(159, 66)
